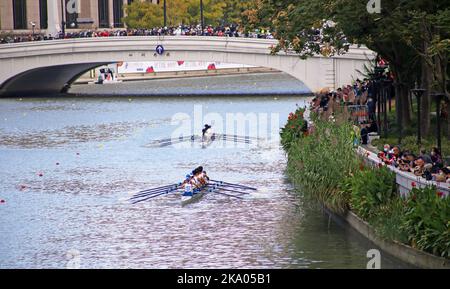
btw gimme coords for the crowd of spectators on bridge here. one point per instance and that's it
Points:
(182, 30)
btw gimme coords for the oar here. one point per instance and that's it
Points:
(236, 187)
(235, 139)
(238, 136)
(191, 137)
(170, 141)
(157, 190)
(154, 193)
(243, 193)
(233, 185)
(154, 189)
(228, 195)
(153, 196)
(206, 143)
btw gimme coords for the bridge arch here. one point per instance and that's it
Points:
(49, 67)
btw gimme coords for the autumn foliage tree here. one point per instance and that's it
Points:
(412, 35)
(215, 12)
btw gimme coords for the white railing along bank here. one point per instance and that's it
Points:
(406, 181)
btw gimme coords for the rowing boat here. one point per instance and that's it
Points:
(216, 187)
(186, 200)
(206, 139)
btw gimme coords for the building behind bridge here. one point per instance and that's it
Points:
(44, 16)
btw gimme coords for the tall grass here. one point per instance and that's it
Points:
(317, 164)
(325, 167)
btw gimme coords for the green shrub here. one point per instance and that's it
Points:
(326, 168)
(320, 162)
(370, 189)
(388, 220)
(427, 221)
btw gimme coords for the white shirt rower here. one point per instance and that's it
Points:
(196, 182)
(207, 133)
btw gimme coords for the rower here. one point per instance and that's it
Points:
(188, 191)
(196, 181)
(207, 133)
(205, 175)
(197, 178)
(197, 171)
(187, 179)
(204, 179)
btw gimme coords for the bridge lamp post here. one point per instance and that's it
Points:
(165, 14)
(63, 23)
(202, 19)
(33, 26)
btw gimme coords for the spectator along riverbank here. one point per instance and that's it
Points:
(326, 161)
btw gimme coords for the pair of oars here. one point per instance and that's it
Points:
(151, 195)
(192, 138)
(172, 141)
(230, 187)
(215, 185)
(172, 188)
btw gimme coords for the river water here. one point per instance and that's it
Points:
(68, 166)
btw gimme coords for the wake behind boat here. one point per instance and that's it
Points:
(196, 185)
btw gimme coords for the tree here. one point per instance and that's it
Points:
(212, 11)
(233, 12)
(179, 12)
(143, 15)
(397, 34)
(427, 33)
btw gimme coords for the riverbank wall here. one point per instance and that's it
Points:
(398, 250)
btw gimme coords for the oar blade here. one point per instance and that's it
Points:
(234, 185)
(158, 188)
(172, 141)
(224, 194)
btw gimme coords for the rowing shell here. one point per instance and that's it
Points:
(230, 190)
(186, 200)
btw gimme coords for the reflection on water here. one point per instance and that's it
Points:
(270, 83)
(68, 165)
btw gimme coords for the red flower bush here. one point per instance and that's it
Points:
(294, 128)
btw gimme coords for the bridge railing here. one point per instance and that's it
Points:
(225, 44)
